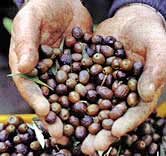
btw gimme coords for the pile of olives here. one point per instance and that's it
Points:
(91, 82)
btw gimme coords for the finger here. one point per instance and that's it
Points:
(55, 129)
(26, 35)
(134, 116)
(87, 145)
(103, 140)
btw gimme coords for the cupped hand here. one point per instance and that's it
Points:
(42, 22)
(142, 32)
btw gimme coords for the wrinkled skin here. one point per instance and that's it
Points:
(45, 22)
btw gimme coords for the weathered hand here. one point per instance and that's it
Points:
(142, 33)
(42, 22)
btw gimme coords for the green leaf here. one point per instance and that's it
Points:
(119, 150)
(100, 153)
(33, 78)
(62, 44)
(7, 23)
(39, 135)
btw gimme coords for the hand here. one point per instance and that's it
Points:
(42, 22)
(142, 33)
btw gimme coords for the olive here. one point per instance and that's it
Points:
(107, 70)
(68, 130)
(94, 128)
(120, 53)
(76, 57)
(98, 58)
(65, 57)
(74, 97)
(160, 123)
(79, 108)
(30, 154)
(22, 128)
(141, 145)
(8, 144)
(109, 60)
(86, 120)
(44, 76)
(65, 152)
(126, 65)
(97, 48)
(107, 124)
(128, 140)
(61, 76)
(109, 80)
(51, 83)
(90, 52)
(35, 145)
(13, 120)
(4, 135)
(56, 107)
(92, 109)
(76, 66)
(132, 84)
(146, 128)
(84, 76)
(97, 39)
(3, 147)
(34, 72)
(114, 152)
(137, 68)
(134, 138)
(42, 67)
(21, 148)
(66, 68)
(77, 32)
(5, 154)
(63, 100)
(91, 95)
(103, 114)
(86, 62)
(107, 51)
(90, 86)
(132, 99)
(71, 83)
(104, 92)
(76, 151)
(80, 132)
(156, 137)
(53, 98)
(64, 114)
(116, 62)
(56, 52)
(137, 154)
(153, 149)
(121, 91)
(51, 117)
(115, 85)
(127, 152)
(81, 89)
(147, 139)
(47, 50)
(61, 89)
(104, 104)
(78, 47)
(87, 37)
(121, 75)
(70, 41)
(73, 76)
(45, 90)
(118, 45)
(17, 139)
(109, 40)
(10, 128)
(74, 121)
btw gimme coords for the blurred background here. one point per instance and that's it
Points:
(10, 100)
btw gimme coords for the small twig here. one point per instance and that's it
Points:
(105, 77)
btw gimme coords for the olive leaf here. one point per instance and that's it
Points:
(119, 150)
(32, 78)
(61, 47)
(7, 23)
(100, 153)
(54, 68)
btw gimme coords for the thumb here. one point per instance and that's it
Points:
(154, 74)
(26, 42)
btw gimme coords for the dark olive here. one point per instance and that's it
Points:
(80, 132)
(51, 83)
(91, 95)
(107, 124)
(65, 152)
(77, 32)
(132, 84)
(4, 135)
(70, 41)
(120, 53)
(109, 80)
(114, 152)
(100, 78)
(45, 90)
(3, 147)
(132, 99)
(68, 130)
(137, 68)
(90, 52)
(21, 148)
(128, 140)
(118, 45)
(94, 128)
(34, 72)
(71, 83)
(86, 120)
(35, 145)
(121, 75)
(103, 114)
(2, 126)
(56, 107)
(109, 40)
(92, 109)
(48, 62)
(78, 47)
(121, 91)
(22, 128)
(47, 50)
(79, 108)
(156, 137)
(84, 76)
(146, 128)
(97, 48)
(61, 76)
(104, 104)
(147, 139)
(51, 117)
(87, 37)
(66, 68)
(64, 114)
(127, 152)
(90, 86)
(76, 57)
(81, 89)
(61, 89)
(44, 76)
(116, 63)
(42, 67)
(17, 139)
(141, 145)
(104, 92)
(98, 58)
(126, 65)
(63, 100)
(76, 66)
(153, 149)
(109, 60)
(107, 51)
(96, 39)
(74, 121)
(53, 98)
(74, 97)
